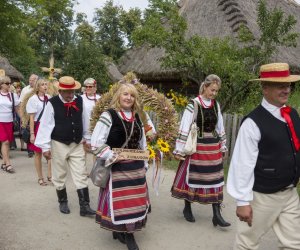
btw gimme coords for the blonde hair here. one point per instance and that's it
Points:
(115, 102)
(4, 79)
(210, 79)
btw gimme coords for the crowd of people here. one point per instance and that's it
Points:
(263, 173)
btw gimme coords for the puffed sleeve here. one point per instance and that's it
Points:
(184, 129)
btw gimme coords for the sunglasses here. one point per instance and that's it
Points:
(89, 87)
(7, 83)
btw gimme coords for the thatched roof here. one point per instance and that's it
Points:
(113, 72)
(9, 69)
(213, 18)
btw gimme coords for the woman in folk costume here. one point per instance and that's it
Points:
(33, 107)
(90, 97)
(200, 176)
(124, 203)
(9, 104)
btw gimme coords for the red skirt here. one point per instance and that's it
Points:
(31, 146)
(204, 172)
(6, 131)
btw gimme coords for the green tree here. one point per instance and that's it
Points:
(195, 57)
(114, 27)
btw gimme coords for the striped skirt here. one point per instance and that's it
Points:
(200, 178)
(124, 203)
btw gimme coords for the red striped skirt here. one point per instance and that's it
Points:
(6, 131)
(123, 204)
(200, 178)
(31, 146)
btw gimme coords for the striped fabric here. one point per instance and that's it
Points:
(129, 192)
(200, 177)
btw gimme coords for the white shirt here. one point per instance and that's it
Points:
(47, 124)
(240, 179)
(6, 114)
(101, 132)
(25, 91)
(35, 105)
(89, 103)
(187, 119)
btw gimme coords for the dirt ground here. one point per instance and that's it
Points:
(30, 219)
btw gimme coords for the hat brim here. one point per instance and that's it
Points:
(291, 78)
(77, 86)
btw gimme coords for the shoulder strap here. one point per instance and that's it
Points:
(40, 116)
(13, 104)
(195, 110)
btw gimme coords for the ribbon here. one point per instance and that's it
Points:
(270, 74)
(67, 86)
(69, 105)
(285, 113)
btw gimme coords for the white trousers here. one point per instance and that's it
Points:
(66, 157)
(279, 211)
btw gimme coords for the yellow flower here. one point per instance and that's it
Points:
(163, 145)
(151, 152)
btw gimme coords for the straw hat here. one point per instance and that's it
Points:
(67, 83)
(276, 72)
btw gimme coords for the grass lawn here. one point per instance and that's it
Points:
(173, 165)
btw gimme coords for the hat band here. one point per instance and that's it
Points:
(67, 86)
(270, 74)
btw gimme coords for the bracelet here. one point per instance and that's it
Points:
(32, 133)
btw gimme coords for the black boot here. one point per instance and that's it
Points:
(187, 211)
(84, 202)
(130, 242)
(119, 236)
(217, 218)
(63, 201)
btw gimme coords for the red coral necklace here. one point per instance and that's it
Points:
(203, 104)
(125, 118)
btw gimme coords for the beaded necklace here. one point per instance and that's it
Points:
(125, 118)
(203, 104)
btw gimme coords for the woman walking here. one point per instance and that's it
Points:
(200, 176)
(123, 203)
(9, 103)
(35, 105)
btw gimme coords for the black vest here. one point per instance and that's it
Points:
(117, 134)
(68, 126)
(277, 164)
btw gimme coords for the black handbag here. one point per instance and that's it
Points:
(25, 132)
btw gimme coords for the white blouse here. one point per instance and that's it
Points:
(89, 103)
(6, 114)
(35, 105)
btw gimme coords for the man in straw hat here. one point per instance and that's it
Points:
(265, 165)
(62, 129)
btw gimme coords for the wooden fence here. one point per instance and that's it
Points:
(232, 124)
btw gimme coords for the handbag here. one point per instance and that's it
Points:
(25, 132)
(190, 146)
(100, 173)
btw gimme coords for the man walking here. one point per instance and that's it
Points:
(264, 168)
(62, 129)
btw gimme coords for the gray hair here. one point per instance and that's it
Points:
(4, 79)
(208, 81)
(89, 81)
